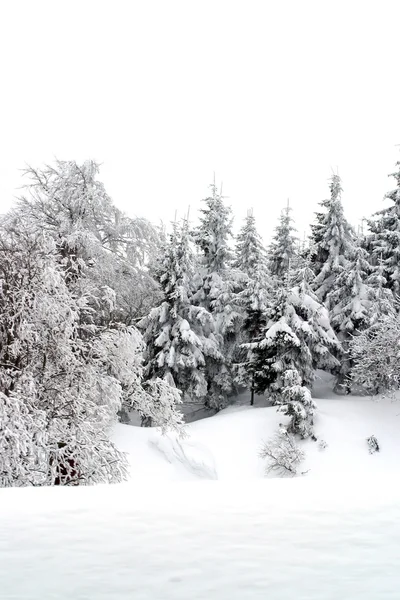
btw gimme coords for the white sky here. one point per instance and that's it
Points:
(271, 95)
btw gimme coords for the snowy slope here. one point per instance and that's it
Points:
(226, 446)
(199, 521)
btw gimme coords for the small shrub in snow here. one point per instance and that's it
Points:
(322, 445)
(373, 445)
(282, 453)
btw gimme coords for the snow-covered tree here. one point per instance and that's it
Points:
(384, 242)
(65, 401)
(217, 283)
(351, 302)
(376, 356)
(384, 302)
(298, 336)
(296, 402)
(254, 300)
(179, 335)
(332, 241)
(253, 296)
(64, 373)
(250, 251)
(93, 238)
(282, 250)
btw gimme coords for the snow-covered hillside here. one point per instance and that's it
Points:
(198, 519)
(226, 446)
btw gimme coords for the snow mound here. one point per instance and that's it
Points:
(227, 445)
(195, 458)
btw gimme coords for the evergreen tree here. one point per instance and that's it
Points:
(296, 402)
(297, 337)
(384, 242)
(384, 302)
(217, 284)
(250, 252)
(254, 300)
(178, 335)
(282, 250)
(332, 241)
(351, 303)
(253, 297)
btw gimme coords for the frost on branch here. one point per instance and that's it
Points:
(376, 356)
(282, 454)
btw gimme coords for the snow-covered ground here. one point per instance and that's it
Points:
(199, 521)
(226, 446)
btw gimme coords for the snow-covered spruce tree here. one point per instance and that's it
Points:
(250, 251)
(253, 296)
(178, 335)
(92, 236)
(332, 241)
(296, 402)
(298, 336)
(352, 302)
(254, 300)
(384, 302)
(216, 286)
(282, 249)
(384, 241)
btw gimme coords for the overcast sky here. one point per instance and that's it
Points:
(271, 95)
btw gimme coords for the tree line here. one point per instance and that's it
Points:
(102, 314)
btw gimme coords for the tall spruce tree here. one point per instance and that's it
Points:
(282, 249)
(384, 241)
(250, 251)
(351, 302)
(297, 337)
(217, 284)
(178, 335)
(253, 297)
(331, 241)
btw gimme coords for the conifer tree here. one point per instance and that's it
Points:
(296, 402)
(217, 284)
(351, 303)
(253, 297)
(297, 337)
(250, 252)
(384, 242)
(282, 249)
(332, 241)
(254, 300)
(178, 335)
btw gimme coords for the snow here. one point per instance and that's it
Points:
(278, 539)
(229, 442)
(198, 519)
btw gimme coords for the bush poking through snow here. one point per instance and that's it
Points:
(322, 445)
(373, 445)
(282, 453)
